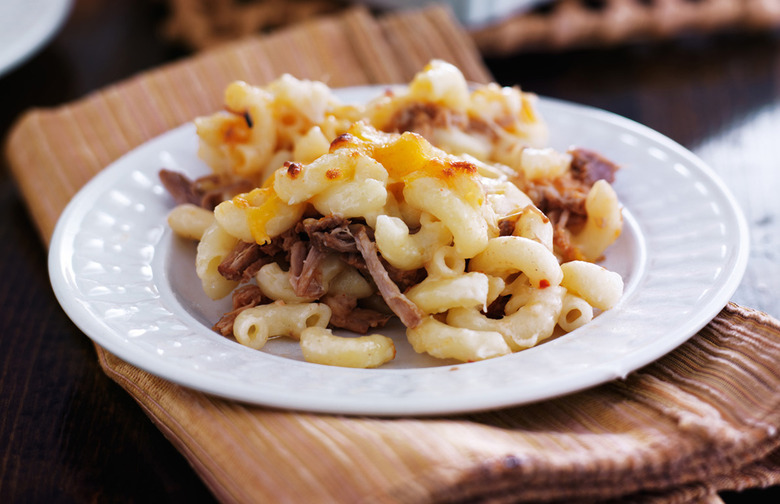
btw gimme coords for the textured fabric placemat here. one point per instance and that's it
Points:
(701, 419)
(577, 24)
(556, 25)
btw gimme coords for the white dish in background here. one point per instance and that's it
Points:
(26, 26)
(472, 13)
(129, 284)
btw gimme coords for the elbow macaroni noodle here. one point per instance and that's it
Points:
(254, 326)
(321, 346)
(434, 203)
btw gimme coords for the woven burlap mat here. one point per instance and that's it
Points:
(554, 26)
(702, 419)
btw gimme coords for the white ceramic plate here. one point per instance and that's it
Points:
(130, 285)
(25, 26)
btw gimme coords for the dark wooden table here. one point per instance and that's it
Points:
(69, 434)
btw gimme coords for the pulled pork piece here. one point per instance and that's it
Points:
(337, 234)
(409, 313)
(218, 189)
(424, 118)
(244, 297)
(566, 195)
(496, 309)
(305, 273)
(207, 192)
(404, 278)
(562, 199)
(329, 233)
(560, 196)
(180, 188)
(353, 243)
(506, 227)
(246, 259)
(243, 262)
(346, 314)
(589, 167)
(564, 249)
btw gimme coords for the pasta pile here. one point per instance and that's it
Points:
(436, 203)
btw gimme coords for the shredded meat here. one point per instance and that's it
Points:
(506, 227)
(589, 166)
(568, 193)
(555, 196)
(337, 234)
(562, 199)
(346, 314)
(404, 278)
(329, 233)
(207, 192)
(424, 118)
(244, 297)
(496, 309)
(305, 271)
(297, 257)
(563, 246)
(354, 245)
(179, 187)
(408, 312)
(216, 189)
(246, 259)
(243, 262)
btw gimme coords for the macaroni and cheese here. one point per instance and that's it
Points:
(436, 202)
